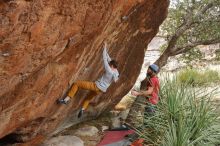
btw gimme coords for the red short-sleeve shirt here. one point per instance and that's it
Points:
(154, 82)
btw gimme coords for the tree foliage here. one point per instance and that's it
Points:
(190, 23)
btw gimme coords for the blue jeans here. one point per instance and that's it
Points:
(149, 109)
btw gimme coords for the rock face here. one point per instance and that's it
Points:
(46, 45)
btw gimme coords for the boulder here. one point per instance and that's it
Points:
(46, 45)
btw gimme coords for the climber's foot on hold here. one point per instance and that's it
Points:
(80, 113)
(63, 101)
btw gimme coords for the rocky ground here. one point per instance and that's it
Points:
(86, 134)
(90, 133)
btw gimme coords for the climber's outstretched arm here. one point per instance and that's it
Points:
(107, 55)
(105, 59)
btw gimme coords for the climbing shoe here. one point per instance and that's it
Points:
(62, 101)
(80, 113)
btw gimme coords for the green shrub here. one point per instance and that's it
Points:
(194, 77)
(184, 116)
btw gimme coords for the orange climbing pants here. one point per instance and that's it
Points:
(94, 90)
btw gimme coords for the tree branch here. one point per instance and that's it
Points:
(204, 9)
(209, 19)
(171, 49)
(185, 48)
(189, 12)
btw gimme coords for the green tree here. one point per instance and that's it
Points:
(190, 23)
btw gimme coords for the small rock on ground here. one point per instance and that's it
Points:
(64, 141)
(87, 131)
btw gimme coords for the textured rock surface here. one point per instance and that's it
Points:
(64, 141)
(87, 131)
(46, 45)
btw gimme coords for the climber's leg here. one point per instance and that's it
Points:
(79, 84)
(74, 89)
(88, 99)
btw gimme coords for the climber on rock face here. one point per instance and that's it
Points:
(111, 74)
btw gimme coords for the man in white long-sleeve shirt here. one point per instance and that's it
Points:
(101, 85)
